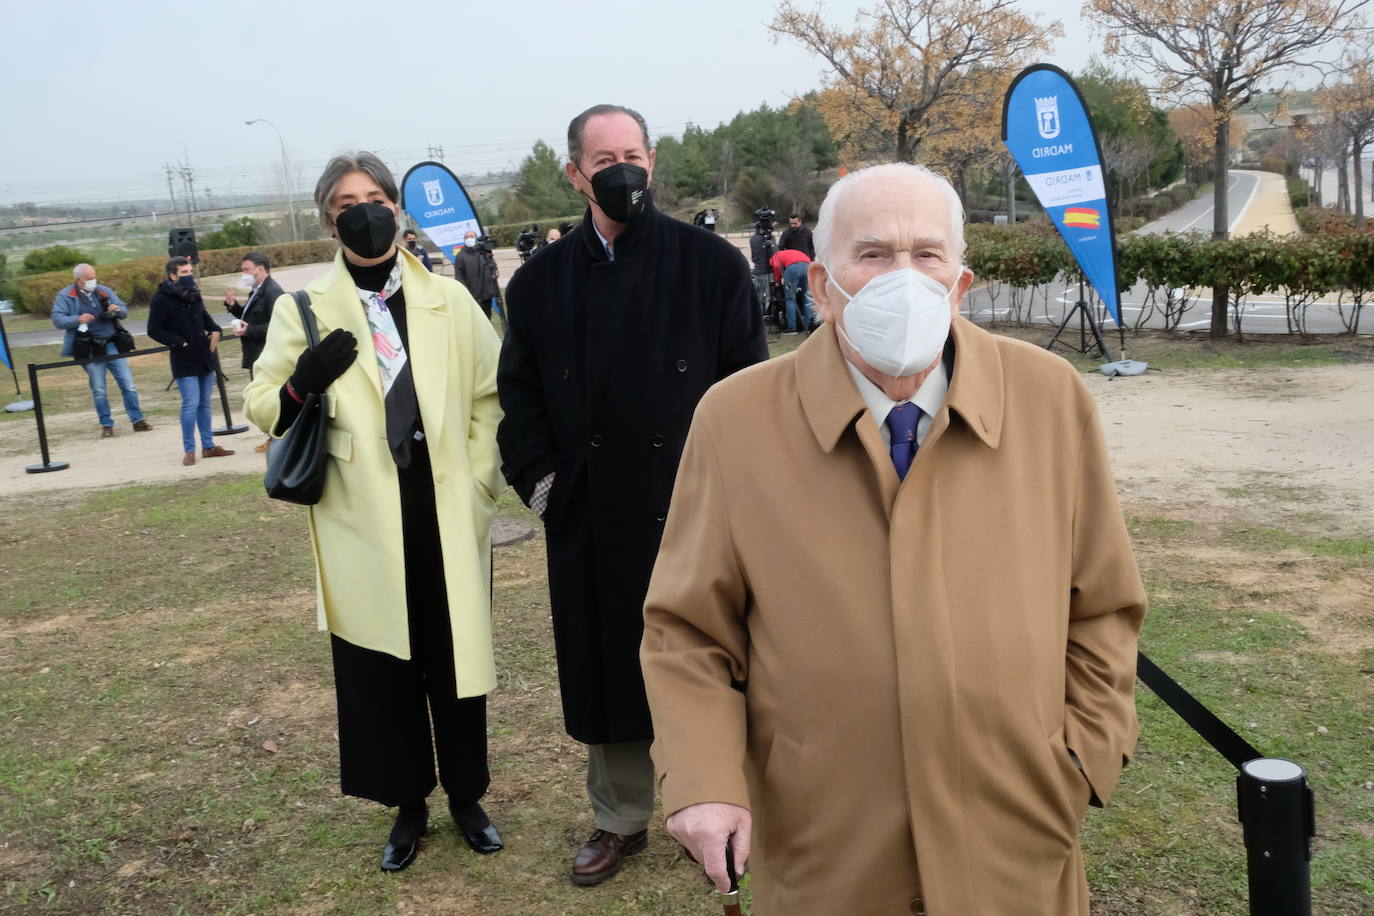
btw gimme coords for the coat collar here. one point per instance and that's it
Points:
(334, 300)
(628, 241)
(831, 402)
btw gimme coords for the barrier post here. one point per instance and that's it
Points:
(47, 464)
(1276, 811)
(229, 428)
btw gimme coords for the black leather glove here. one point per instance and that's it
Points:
(317, 369)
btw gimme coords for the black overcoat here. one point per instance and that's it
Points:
(173, 321)
(601, 368)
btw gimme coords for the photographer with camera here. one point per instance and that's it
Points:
(527, 241)
(88, 311)
(474, 266)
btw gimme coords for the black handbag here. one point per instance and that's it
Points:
(296, 461)
(123, 340)
(83, 346)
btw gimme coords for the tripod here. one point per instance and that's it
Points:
(1085, 321)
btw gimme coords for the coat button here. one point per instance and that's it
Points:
(682, 365)
(595, 440)
(657, 441)
(661, 516)
(918, 906)
(566, 373)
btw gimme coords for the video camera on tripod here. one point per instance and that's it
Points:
(765, 220)
(526, 241)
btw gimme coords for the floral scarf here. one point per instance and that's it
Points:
(386, 340)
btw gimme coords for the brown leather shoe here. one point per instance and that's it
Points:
(107, 432)
(218, 451)
(263, 446)
(603, 854)
(143, 426)
(188, 459)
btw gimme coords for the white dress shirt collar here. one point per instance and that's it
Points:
(930, 397)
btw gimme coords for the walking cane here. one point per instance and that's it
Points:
(730, 899)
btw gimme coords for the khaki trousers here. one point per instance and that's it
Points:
(620, 785)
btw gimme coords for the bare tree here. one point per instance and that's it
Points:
(902, 62)
(1225, 50)
(1351, 104)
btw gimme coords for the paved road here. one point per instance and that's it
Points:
(1196, 215)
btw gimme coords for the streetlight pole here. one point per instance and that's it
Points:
(286, 176)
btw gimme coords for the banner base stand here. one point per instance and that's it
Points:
(19, 407)
(230, 430)
(47, 466)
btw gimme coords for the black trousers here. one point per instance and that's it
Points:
(394, 714)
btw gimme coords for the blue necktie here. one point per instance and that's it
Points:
(901, 424)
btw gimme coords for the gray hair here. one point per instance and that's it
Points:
(79, 269)
(579, 124)
(820, 236)
(370, 164)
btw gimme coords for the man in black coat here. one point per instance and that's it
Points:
(797, 237)
(476, 269)
(613, 335)
(251, 318)
(177, 318)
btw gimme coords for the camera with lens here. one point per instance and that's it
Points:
(526, 241)
(764, 219)
(486, 244)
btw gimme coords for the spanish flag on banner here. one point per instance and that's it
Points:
(1082, 217)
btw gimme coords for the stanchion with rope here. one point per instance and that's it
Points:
(47, 464)
(1274, 804)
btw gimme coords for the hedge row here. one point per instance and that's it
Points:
(135, 281)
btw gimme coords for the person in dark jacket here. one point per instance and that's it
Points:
(476, 269)
(177, 319)
(613, 335)
(251, 318)
(414, 247)
(797, 237)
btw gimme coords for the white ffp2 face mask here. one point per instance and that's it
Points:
(247, 280)
(88, 285)
(898, 322)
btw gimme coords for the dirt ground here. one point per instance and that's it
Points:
(1177, 435)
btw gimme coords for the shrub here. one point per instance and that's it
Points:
(135, 281)
(1274, 164)
(55, 258)
(1299, 193)
(236, 233)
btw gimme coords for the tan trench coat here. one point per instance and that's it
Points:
(891, 674)
(356, 527)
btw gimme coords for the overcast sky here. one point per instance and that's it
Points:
(102, 94)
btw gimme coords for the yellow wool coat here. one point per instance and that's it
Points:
(891, 674)
(356, 526)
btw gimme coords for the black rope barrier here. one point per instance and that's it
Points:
(1274, 804)
(47, 464)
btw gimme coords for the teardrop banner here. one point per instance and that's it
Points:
(1048, 131)
(436, 200)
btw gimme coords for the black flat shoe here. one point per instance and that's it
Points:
(484, 841)
(476, 828)
(398, 858)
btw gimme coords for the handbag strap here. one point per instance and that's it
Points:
(312, 333)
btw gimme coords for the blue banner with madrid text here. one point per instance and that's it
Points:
(437, 201)
(1049, 132)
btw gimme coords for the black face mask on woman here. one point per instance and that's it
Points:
(368, 229)
(621, 190)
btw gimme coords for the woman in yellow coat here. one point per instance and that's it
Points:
(401, 535)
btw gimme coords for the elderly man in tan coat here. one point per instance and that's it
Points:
(893, 620)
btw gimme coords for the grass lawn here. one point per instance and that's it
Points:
(167, 713)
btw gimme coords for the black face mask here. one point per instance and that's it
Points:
(368, 230)
(621, 190)
(187, 282)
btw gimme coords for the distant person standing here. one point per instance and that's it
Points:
(552, 236)
(797, 237)
(177, 319)
(414, 247)
(86, 307)
(476, 269)
(251, 319)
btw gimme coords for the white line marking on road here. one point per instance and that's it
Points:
(1248, 201)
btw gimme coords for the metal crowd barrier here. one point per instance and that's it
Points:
(47, 464)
